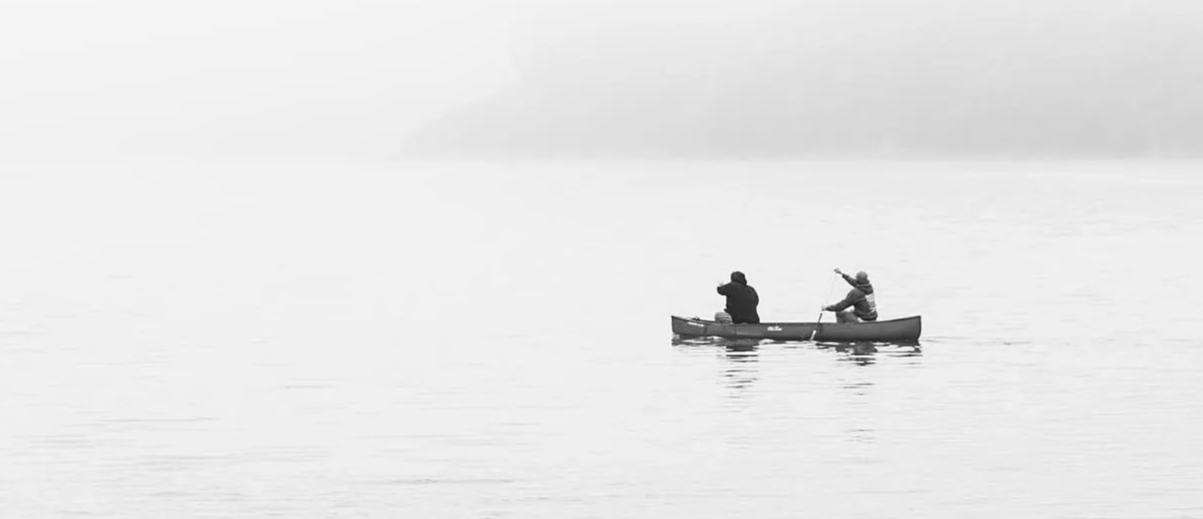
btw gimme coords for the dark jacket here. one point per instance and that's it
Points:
(861, 298)
(741, 302)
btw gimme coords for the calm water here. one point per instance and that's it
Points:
(478, 340)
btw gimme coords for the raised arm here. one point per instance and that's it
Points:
(851, 280)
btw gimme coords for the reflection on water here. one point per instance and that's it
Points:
(740, 371)
(859, 352)
(864, 353)
(842, 386)
(743, 359)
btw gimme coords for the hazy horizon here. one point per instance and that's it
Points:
(374, 80)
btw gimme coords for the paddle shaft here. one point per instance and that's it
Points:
(820, 318)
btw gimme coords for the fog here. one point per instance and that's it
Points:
(375, 80)
(237, 80)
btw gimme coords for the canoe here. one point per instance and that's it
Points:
(903, 331)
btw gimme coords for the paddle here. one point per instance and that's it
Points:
(816, 330)
(822, 309)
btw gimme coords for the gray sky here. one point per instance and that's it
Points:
(367, 79)
(237, 79)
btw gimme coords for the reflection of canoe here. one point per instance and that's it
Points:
(904, 330)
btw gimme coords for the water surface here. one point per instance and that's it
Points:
(492, 340)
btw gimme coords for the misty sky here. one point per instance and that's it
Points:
(369, 80)
(237, 79)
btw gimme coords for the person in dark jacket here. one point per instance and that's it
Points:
(741, 299)
(860, 298)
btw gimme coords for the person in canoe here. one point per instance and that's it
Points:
(860, 298)
(741, 299)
